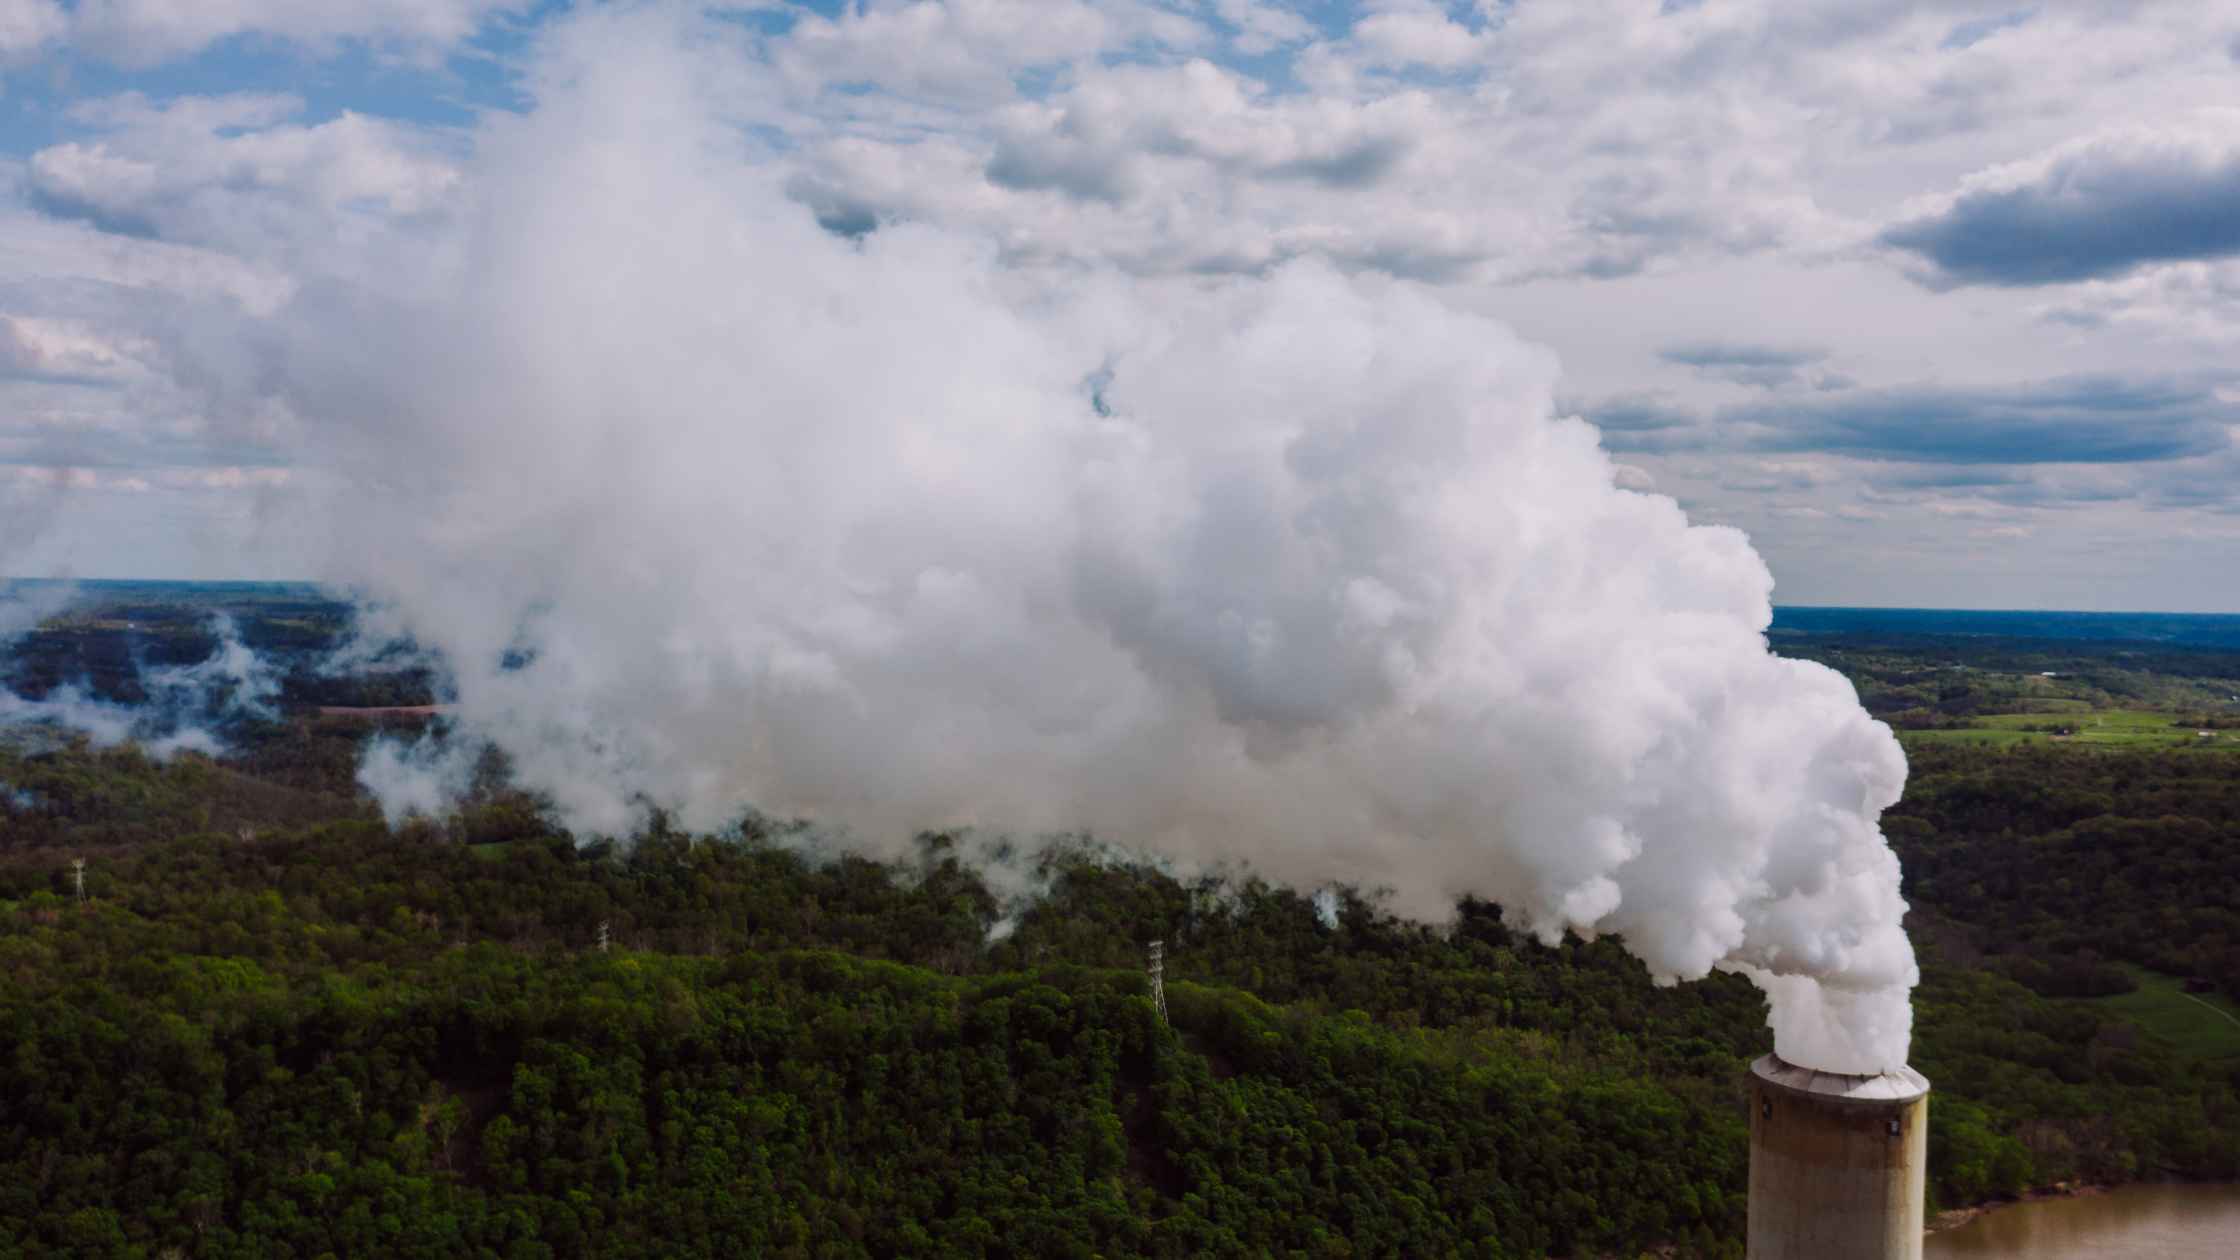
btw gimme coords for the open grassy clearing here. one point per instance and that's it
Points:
(2105, 725)
(2128, 728)
(2204, 1025)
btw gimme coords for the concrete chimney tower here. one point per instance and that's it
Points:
(1836, 1163)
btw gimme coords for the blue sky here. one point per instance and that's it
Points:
(1938, 301)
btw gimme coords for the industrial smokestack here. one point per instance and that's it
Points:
(1836, 1163)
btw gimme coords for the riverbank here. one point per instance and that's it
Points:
(2136, 1221)
(1954, 1218)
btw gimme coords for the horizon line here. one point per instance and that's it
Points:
(318, 584)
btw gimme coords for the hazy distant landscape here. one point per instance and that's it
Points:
(275, 1025)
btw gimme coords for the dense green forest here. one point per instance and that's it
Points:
(332, 1037)
(272, 1026)
(2063, 862)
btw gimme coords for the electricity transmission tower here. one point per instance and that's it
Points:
(602, 936)
(1159, 980)
(78, 876)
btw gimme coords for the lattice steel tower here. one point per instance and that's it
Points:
(1159, 979)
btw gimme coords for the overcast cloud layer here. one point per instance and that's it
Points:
(1938, 300)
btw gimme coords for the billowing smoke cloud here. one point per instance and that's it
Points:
(706, 507)
(184, 708)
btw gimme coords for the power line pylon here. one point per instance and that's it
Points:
(1159, 980)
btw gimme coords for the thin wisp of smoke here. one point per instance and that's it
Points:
(705, 507)
(182, 709)
(24, 605)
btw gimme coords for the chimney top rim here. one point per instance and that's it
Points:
(1901, 1084)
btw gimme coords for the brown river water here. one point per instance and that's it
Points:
(2157, 1222)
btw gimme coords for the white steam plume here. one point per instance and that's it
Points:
(424, 777)
(707, 507)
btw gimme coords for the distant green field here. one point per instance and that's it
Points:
(2201, 1024)
(1969, 735)
(2128, 728)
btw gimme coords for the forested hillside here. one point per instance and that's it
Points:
(335, 1038)
(273, 1026)
(2065, 862)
